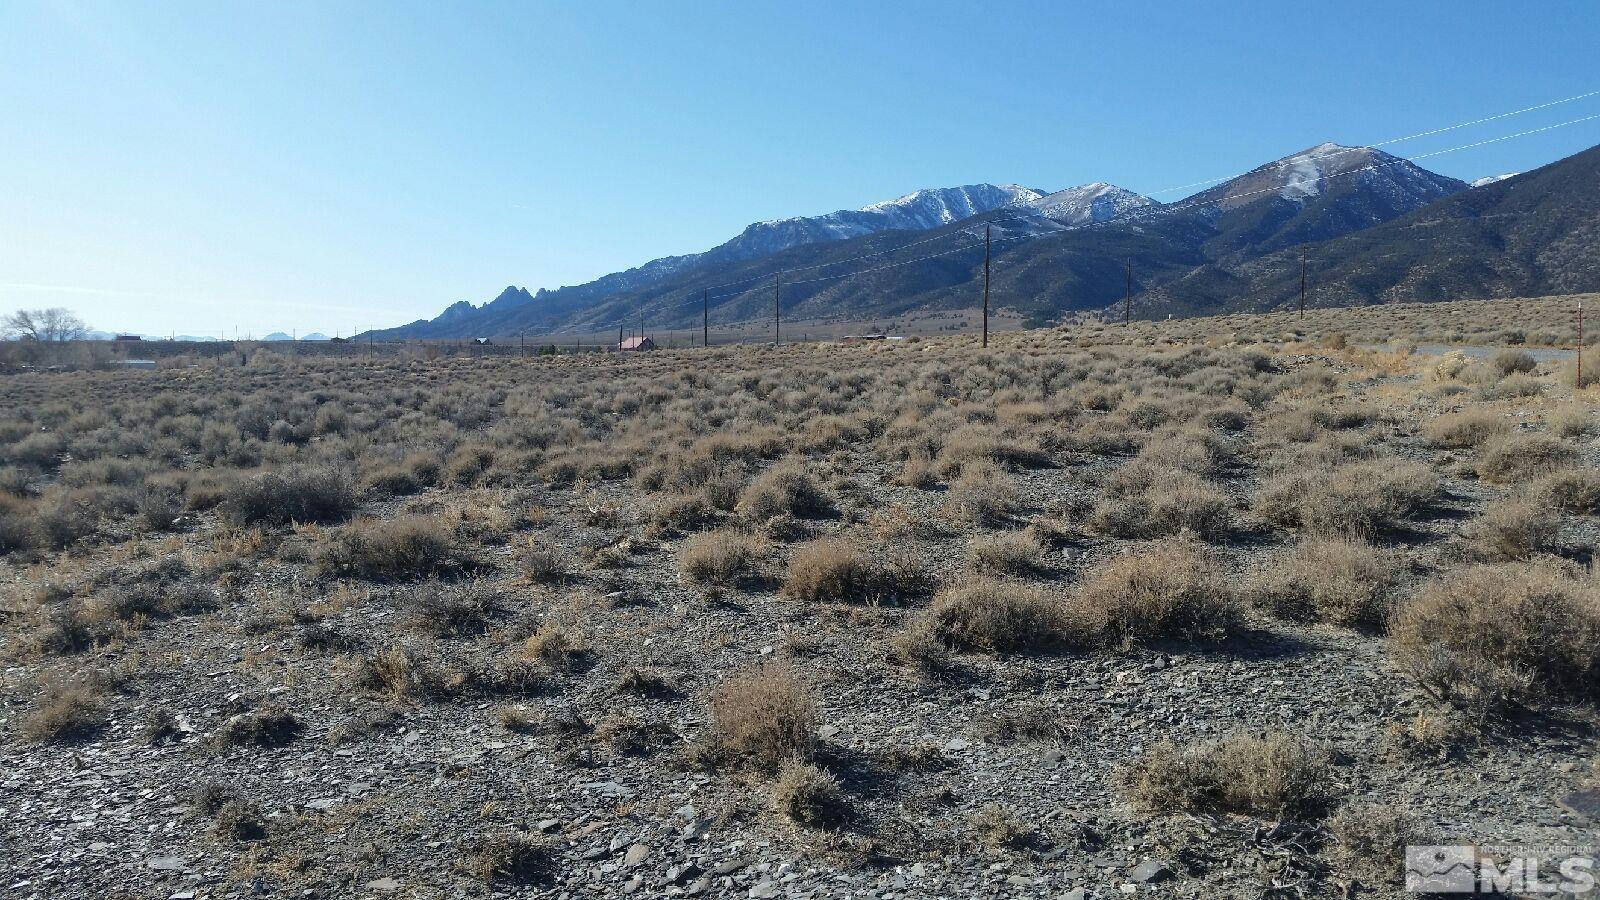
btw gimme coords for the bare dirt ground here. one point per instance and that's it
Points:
(1212, 608)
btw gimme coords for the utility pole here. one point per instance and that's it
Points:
(1302, 284)
(705, 320)
(1127, 303)
(641, 326)
(777, 315)
(986, 285)
(1577, 380)
(619, 336)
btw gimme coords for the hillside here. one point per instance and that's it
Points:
(1532, 234)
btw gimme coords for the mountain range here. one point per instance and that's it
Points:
(1376, 228)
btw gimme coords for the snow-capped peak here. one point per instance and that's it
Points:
(1086, 203)
(1491, 179)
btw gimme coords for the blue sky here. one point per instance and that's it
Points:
(200, 167)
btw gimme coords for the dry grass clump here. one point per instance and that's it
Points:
(998, 829)
(446, 610)
(510, 858)
(545, 565)
(725, 556)
(389, 549)
(1269, 775)
(830, 570)
(1171, 589)
(996, 616)
(270, 726)
(65, 711)
(1522, 457)
(1511, 528)
(1464, 429)
(784, 490)
(683, 514)
(298, 494)
(1488, 636)
(1167, 504)
(764, 717)
(1355, 500)
(1012, 553)
(1370, 841)
(983, 495)
(401, 672)
(557, 647)
(807, 795)
(1341, 581)
(1573, 490)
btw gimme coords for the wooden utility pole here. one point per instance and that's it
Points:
(705, 320)
(1302, 284)
(619, 337)
(1577, 380)
(777, 313)
(986, 285)
(641, 326)
(1127, 303)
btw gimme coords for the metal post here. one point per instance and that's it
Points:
(705, 320)
(986, 285)
(777, 314)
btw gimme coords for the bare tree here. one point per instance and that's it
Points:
(45, 325)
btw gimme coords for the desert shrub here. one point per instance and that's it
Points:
(1571, 420)
(983, 495)
(394, 480)
(1013, 553)
(446, 610)
(807, 795)
(1370, 840)
(997, 616)
(1569, 375)
(1488, 636)
(65, 711)
(158, 508)
(545, 565)
(764, 717)
(999, 829)
(644, 683)
(719, 557)
(784, 490)
(150, 600)
(1344, 582)
(1511, 528)
(67, 628)
(1509, 362)
(239, 820)
(389, 549)
(17, 534)
(401, 672)
(510, 858)
(1573, 490)
(283, 496)
(1355, 500)
(63, 522)
(267, 727)
(830, 570)
(1170, 504)
(1468, 428)
(682, 514)
(1522, 457)
(1515, 386)
(1267, 775)
(1170, 589)
(557, 647)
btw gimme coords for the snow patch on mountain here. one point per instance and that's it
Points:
(1089, 203)
(1491, 179)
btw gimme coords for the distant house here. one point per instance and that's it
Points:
(126, 338)
(637, 343)
(482, 342)
(338, 340)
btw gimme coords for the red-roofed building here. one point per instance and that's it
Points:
(637, 343)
